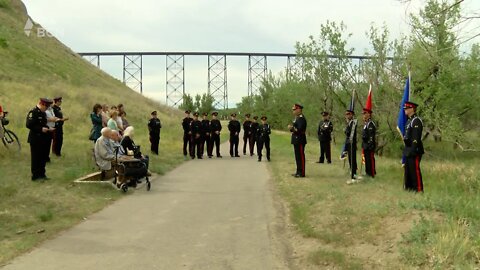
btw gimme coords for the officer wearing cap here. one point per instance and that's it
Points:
(205, 138)
(413, 150)
(234, 128)
(215, 129)
(38, 138)
(247, 132)
(58, 133)
(253, 136)
(299, 139)
(263, 138)
(351, 144)
(187, 133)
(368, 142)
(196, 138)
(324, 132)
(154, 126)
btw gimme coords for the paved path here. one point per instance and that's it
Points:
(205, 214)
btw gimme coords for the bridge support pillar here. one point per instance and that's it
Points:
(257, 72)
(175, 79)
(93, 59)
(217, 80)
(132, 72)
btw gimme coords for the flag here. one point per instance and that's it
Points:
(402, 117)
(368, 104)
(352, 102)
(343, 153)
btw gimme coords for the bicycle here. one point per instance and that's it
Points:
(9, 139)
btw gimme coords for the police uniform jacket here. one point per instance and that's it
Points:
(351, 138)
(324, 132)
(186, 125)
(196, 127)
(234, 127)
(413, 137)
(57, 111)
(298, 130)
(254, 128)
(215, 125)
(368, 135)
(36, 120)
(263, 132)
(154, 126)
(247, 128)
(205, 126)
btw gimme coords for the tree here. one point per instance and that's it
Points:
(187, 103)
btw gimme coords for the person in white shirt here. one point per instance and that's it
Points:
(51, 120)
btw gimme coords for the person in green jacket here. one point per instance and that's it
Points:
(96, 118)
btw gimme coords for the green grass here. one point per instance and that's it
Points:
(375, 224)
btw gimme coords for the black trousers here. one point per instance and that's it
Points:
(57, 141)
(325, 152)
(234, 145)
(187, 144)
(352, 159)
(48, 144)
(369, 163)
(413, 174)
(154, 142)
(252, 143)
(205, 139)
(195, 147)
(214, 140)
(260, 145)
(38, 158)
(246, 141)
(299, 158)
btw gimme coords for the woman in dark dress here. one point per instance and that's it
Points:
(96, 118)
(129, 147)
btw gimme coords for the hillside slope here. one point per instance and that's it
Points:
(33, 67)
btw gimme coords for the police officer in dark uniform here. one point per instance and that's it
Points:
(38, 138)
(58, 133)
(247, 132)
(263, 138)
(196, 137)
(413, 150)
(368, 142)
(205, 134)
(253, 136)
(187, 133)
(351, 144)
(299, 139)
(215, 129)
(154, 126)
(234, 128)
(324, 132)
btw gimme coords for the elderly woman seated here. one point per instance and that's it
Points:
(129, 147)
(105, 148)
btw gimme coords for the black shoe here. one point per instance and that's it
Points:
(219, 156)
(259, 160)
(237, 156)
(193, 157)
(268, 159)
(210, 156)
(244, 153)
(200, 157)
(299, 176)
(231, 155)
(44, 178)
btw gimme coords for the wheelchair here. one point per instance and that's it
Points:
(128, 171)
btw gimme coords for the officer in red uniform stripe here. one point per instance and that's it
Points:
(413, 150)
(299, 140)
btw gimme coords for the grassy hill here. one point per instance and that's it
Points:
(33, 67)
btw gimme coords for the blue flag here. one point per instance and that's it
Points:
(402, 117)
(343, 153)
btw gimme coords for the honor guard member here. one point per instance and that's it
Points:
(196, 129)
(215, 129)
(154, 126)
(187, 133)
(263, 138)
(351, 144)
(413, 150)
(205, 134)
(38, 138)
(299, 139)
(234, 128)
(247, 132)
(368, 142)
(58, 133)
(51, 120)
(253, 137)
(324, 132)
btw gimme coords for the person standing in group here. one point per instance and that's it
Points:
(368, 142)
(51, 121)
(215, 129)
(299, 139)
(112, 123)
(196, 138)
(263, 138)
(253, 136)
(413, 150)
(351, 144)
(234, 128)
(187, 133)
(324, 132)
(97, 122)
(205, 139)
(38, 138)
(105, 115)
(247, 132)
(154, 126)
(58, 134)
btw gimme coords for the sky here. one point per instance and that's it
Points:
(214, 25)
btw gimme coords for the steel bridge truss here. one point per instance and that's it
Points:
(257, 72)
(175, 79)
(132, 71)
(217, 80)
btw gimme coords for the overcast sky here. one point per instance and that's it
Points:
(213, 25)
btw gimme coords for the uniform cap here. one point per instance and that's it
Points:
(349, 111)
(154, 113)
(205, 114)
(255, 117)
(46, 101)
(264, 118)
(55, 99)
(247, 115)
(195, 114)
(215, 113)
(409, 104)
(233, 115)
(187, 111)
(325, 113)
(365, 110)
(297, 106)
